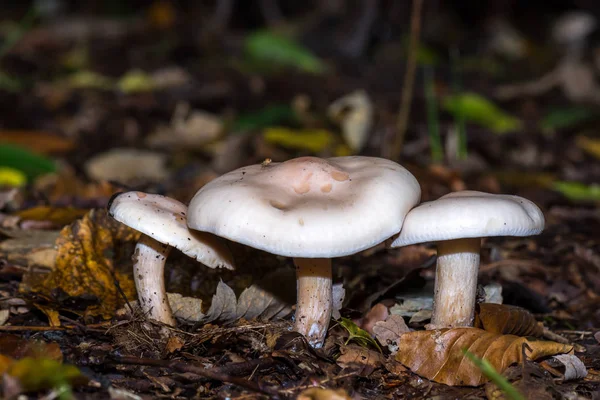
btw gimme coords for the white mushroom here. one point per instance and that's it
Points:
(311, 209)
(456, 222)
(163, 224)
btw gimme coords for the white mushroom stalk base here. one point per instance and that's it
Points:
(148, 273)
(315, 300)
(455, 283)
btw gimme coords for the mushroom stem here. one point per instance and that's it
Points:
(455, 283)
(315, 300)
(148, 273)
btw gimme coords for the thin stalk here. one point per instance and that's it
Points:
(459, 119)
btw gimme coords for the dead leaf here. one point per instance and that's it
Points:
(316, 393)
(50, 313)
(388, 332)
(378, 313)
(16, 347)
(572, 365)
(29, 247)
(354, 356)
(507, 320)
(174, 344)
(84, 263)
(127, 166)
(38, 142)
(4, 315)
(354, 112)
(226, 307)
(438, 354)
(59, 216)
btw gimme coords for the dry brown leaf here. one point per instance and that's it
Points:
(16, 347)
(438, 354)
(253, 302)
(388, 332)
(174, 344)
(378, 313)
(50, 313)
(507, 320)
(84, 263)
(366, 360)
(29, 248)
(57, 215)
(38, 142)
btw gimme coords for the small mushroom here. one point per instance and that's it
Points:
(457, 222)
(163, 224)
(311, 209)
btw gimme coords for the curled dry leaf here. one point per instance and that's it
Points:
(507, 320)
(388, 332)
(573, 366)
(85, 265)
(438, 354)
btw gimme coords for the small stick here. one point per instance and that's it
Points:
(207, 373)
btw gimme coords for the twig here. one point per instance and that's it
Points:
(10, 328)
(320, 383)
(409, 78)
(207, 373)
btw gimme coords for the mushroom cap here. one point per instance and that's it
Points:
(164, 220)
(308, 207)
(574, 26)
(470, 214)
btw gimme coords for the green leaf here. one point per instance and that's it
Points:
(268, 116)
(314, 140)
(578, 191)
(478, 110)
(135, 81)
(21, 159)
(563, 118)
(36, 374)
(271, 47)
(357, 334)
(488, 370)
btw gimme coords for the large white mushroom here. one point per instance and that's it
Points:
(457, 222)
(163, 224)
(311, 209)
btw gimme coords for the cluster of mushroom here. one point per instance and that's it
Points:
(312, 210)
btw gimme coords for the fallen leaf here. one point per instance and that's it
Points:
(174, 344)
(572, 365)
(273, 48)
(226, 307)
(476, 109)
(17, 347)
(507, 320)
(57, 215)
(268, 116)
(565, 118)
(24, 160)
(378, 313)
(589, 145)
(438, 354)
(135, 81)
(34, 374)
(4, 315)
(578, 191)
(338, 293)
(354, 112)
(10, 177)
(50, 313)
(358, 335)
(314, 140)
(37, 141)
(316, 393)
(29, 247)
(127, 166)
(388, 332)
(364, 359)
(85, 265)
